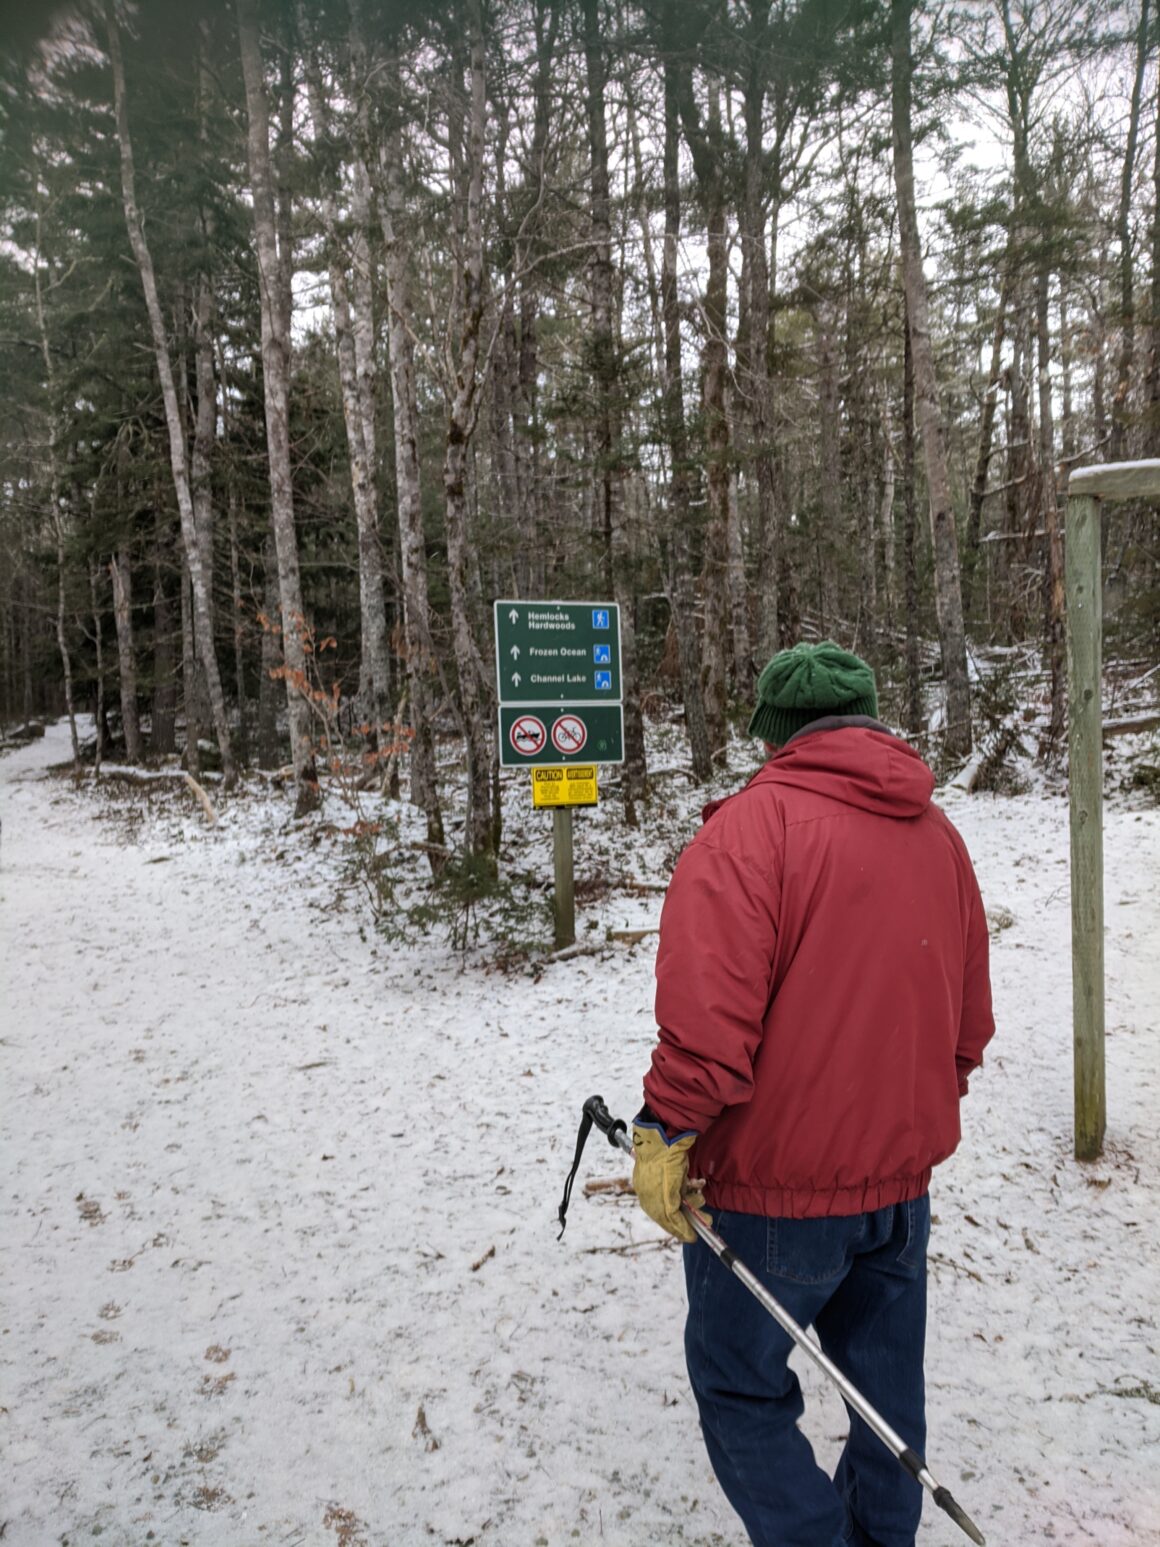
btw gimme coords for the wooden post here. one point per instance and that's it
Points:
(1086, 487)
(565, 878)
(1085, 790)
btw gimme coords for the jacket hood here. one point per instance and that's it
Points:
(858, 762)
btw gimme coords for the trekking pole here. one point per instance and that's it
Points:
(597, 1114)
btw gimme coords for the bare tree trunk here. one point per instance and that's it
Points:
(57, 518)
(914, 714)
(163, 708)
(1053, 544)
(98, 662)
(948, 594)
(1116, 449)
(267, 732)
(610, 469)
(238, 630)
(1021, 475)
(354, 337)
(743, 673)
(273, 287)
(886, 510)
(1067, 415)
(173, 415)
(204, 435)
(62, 633)
(420, 651)
(706, 146)
(680, 583)
(987, 430)
(1152, 425)
(829, 444)
(467, 133)
(190, 688)
(120, 572)
(756, 294)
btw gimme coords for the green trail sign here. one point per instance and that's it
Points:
(557, 668)
(557, 652)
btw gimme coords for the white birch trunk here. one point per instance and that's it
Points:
(354, 338)
(420, 653)
(173, 417)
(273, 269)
(948, 593)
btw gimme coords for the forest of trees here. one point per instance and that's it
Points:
(324, 324)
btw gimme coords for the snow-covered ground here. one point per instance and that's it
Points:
(278, 1213)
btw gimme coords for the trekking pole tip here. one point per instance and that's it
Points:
(946, 1501)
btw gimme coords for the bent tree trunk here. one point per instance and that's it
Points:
(203, 625)
(948, 593)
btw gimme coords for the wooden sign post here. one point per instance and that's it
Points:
(1086, 488)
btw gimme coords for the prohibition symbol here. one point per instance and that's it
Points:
(528, 735)
(569, 733)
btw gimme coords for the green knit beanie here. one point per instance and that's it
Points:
(807, 683)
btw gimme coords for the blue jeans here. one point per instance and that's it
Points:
(861, 1281)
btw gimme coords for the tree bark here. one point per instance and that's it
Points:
(914, 714)
(610, 491)
(755, 286)
(354, 338)
(1053, 536)
(55, 499)
(948, 595)
(273, 273)
(987, 430)
(98, 663)
(163, 708)
(269, 755)
(1152, 422)
(681, 584)
(419, 648)
(173, 415)
(468, 125)
(1120, 414)
(120, 573)
(706, 147)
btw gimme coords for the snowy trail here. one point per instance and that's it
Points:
(255, 1167)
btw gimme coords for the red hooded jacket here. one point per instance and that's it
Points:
(822, 981)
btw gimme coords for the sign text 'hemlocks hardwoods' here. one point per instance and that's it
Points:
(559, 681)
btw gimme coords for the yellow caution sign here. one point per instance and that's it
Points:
(572, 785)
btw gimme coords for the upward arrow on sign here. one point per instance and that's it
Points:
(515, 652)
(516, 678)
(514, 615)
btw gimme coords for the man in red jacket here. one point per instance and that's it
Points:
(822, 996)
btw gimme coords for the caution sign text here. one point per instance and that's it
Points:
(573, 785)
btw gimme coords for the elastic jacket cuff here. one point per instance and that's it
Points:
(647, 1118)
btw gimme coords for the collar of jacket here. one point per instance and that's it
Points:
(837, 722)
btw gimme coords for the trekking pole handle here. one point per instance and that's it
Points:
(614, 1129)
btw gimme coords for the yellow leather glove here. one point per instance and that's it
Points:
(660, 1179)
